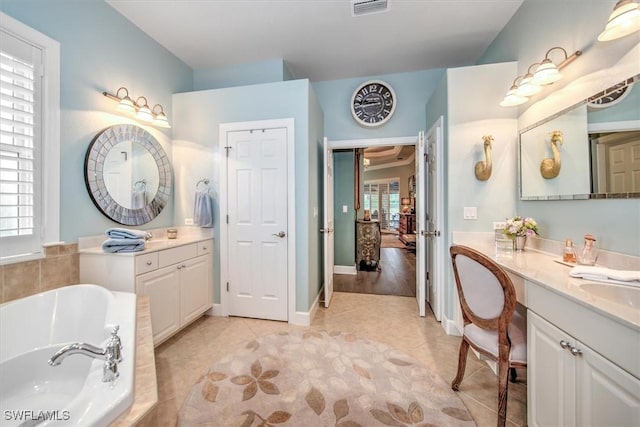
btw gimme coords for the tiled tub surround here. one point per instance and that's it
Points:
(59, 267)
(583, 346)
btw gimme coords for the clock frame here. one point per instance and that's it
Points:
(373, 103)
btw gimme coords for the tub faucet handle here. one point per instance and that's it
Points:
(110, 369)
(114, 345)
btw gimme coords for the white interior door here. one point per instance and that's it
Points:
(435, 243)
(257, 223)
(328, 223)
(421, 247)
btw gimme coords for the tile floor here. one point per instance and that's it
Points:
(392, 320)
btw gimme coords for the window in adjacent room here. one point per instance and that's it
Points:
(382, 199)
(29, 141)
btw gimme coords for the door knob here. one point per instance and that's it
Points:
(326, 230)
(280, 234)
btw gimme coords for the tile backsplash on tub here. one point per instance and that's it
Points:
(59, 267)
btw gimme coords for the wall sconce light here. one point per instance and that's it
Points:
(405, 202)
(546, 73)
(366, 162)
(139, 109)
(483, 167)
(624, 20)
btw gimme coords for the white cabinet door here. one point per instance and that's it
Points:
(162, 287)
(550, 374)
(606, 394)
(194, 288)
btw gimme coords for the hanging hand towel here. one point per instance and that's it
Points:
(203, 209)
(125, 233)
(123, 245)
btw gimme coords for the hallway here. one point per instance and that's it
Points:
(398, 276)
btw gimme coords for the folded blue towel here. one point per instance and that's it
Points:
(125, 233)
(203, 209)
(123, 245)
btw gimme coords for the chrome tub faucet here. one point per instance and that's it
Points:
(111, 354)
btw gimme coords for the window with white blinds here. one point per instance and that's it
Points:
(23, 169)
(382, 199)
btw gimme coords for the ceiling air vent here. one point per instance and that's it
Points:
(364, 7)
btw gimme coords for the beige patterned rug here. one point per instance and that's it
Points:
(315, 378)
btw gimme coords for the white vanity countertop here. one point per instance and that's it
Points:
(93, 244)
(540, 268)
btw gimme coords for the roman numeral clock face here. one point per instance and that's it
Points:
(373, 103)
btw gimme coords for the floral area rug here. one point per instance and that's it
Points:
(315, 378)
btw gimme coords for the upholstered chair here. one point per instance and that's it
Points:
(491, 324)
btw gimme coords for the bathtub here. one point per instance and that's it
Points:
(32, 329)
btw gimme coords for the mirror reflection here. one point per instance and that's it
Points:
(131, 175)
(586, 151)
(127, 174)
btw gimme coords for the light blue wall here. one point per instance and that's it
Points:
(572, 24)
(100, 51)
(412, 91)
(627, 109)
(196, 152)
(241, 75)
(343, 194)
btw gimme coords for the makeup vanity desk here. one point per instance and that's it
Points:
(583, 340)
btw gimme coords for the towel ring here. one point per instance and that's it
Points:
(204, 181)
(142, 182)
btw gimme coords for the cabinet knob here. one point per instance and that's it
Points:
(179, 267)
(204, 248)
(575, 351)
(564, 344)
(184, 266)
(149, 263)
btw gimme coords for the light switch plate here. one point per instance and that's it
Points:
(499, 225)
(188, 221)
(470, 212)
(345, 208)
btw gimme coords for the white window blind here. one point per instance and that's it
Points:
(20, 146)
(382, 199)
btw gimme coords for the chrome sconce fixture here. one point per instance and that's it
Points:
(538, 74)
(139, 109)
(624, 20)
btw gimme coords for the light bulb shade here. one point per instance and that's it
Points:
(144, 114)
(161, 121)
(624, 20)
(126, 106)
(526, 87)
(546, 73)
(513, 100)
(405, 201)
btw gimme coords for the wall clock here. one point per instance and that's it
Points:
(373, 103)
(611, 96)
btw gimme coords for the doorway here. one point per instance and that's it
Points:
(387, 171)
(257, 174)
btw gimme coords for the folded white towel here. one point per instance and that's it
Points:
(603, 274)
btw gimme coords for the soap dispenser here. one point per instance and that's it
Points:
(569, 254)
(589, 253)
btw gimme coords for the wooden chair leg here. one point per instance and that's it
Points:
(503, 388)
(462, 364)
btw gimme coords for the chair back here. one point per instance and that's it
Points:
(486, 293)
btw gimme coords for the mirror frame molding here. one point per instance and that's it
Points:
(94, 174)
(631, 195)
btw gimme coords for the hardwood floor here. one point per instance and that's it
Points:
(398, 276)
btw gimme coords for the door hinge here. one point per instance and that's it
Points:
(227, 148)
(426, 158)
(227, 218)
(227, 286)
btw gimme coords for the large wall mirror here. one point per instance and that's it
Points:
(127, 174)
(588, 151)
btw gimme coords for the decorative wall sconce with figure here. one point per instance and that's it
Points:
(483, 167)
(550, 168)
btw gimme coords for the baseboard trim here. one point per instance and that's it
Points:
(216, 310)
(304, 318)
(345, 269)
(450, 327)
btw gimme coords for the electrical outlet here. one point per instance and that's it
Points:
(499, 225)
(188, 221)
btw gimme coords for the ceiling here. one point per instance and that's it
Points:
(389, 156)
(320, 39)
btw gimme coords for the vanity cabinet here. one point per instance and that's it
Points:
(178, 281)
(569, 382)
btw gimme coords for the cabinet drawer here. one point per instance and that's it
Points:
(176, 255)
(205, 247)
(146, 263)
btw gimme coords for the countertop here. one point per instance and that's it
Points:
(93, 244)
(542, 269)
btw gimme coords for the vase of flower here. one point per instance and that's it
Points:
(518, 228)
(519, 242)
